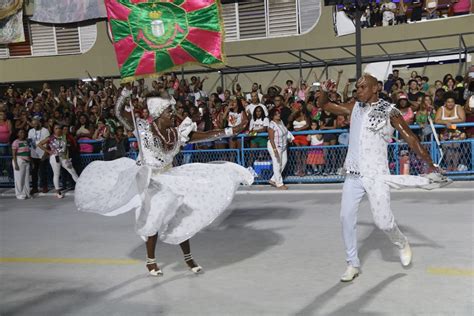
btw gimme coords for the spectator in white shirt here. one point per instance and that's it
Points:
(388, 9)
(235, 114)
(258, 124)
(431, 9)
(38, 156)
(254, 102)
(255, 88)
(198, 95)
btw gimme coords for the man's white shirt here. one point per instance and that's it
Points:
(35, 137)
(248, 96)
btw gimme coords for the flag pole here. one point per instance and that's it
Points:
(140, 152)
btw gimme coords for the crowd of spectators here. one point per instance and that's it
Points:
(386, 12)
(65, 123)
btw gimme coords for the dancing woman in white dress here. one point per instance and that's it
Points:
(170, 203)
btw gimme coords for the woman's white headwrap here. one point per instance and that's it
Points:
(156, 105)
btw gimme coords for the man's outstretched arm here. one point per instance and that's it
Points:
(327, 105)
(407, 134)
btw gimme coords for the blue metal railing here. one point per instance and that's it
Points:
(458, 158)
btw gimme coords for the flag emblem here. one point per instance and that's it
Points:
(151, 37)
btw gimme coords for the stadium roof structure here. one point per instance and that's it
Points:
(434, 46)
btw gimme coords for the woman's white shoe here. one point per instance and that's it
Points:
(197, 269)
(405, 255)
(153, 272)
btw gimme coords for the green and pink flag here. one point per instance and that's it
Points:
(151, 37)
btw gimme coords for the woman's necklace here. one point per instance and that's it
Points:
(169, 131)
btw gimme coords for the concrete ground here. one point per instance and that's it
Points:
(279, 253)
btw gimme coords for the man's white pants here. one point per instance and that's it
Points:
(277, 167)
(378, 192)
(56, 166)
(22, 179)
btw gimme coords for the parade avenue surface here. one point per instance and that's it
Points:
(278, 253)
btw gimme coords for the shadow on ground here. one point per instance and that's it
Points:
(355, 307)
(227, 243)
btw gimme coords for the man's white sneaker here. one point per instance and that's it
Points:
(350, 274)
(405, 255)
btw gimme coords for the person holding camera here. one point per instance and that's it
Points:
(38, 156)
(57, 147)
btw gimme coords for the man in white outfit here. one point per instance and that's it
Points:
(373, 122)
(38, 156)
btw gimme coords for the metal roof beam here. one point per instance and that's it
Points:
(260, 60)
(386, 53)
(334, 62)
(312, 56)
(462, 40)
(424, 47)
(365, 44)
(347, 51)
(299, 57)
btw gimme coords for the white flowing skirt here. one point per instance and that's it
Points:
(176, 203)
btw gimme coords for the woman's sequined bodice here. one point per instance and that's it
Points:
(153, 153)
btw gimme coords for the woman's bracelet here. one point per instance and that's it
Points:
(229, 131)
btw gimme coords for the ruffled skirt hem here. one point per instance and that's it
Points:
(176, 204)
